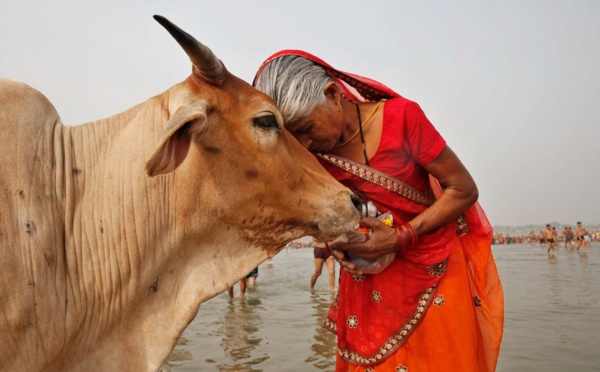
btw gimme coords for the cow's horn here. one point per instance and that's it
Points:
(200, 55)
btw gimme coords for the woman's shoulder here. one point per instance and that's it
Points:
(395, 110)
(403, 111)
(401, 103)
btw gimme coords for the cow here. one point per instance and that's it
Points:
(113, 232)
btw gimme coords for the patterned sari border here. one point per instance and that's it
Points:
(330, 325)
(379, 178)
(391, 183)
(368, 92)
(396, 340)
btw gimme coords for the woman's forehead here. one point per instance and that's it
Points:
(319, 114)
(295, 125)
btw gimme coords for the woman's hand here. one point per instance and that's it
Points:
(382, 242)
(344, 262)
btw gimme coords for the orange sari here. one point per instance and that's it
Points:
(462, 329)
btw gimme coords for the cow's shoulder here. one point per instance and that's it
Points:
(22, 104)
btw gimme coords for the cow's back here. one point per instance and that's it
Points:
(32, 192)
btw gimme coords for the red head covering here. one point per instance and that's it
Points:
(355, 87)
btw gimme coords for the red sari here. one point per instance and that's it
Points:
(439, 305)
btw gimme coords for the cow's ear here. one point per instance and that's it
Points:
(175, 142)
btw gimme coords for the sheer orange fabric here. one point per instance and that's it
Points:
(462, 329)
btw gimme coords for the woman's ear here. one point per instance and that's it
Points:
(332, 91)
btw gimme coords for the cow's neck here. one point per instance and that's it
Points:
(113, 216)
(112, 211)
(119, 248)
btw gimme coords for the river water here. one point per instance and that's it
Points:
(552, 310)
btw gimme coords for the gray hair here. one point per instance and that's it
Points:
(296, 84)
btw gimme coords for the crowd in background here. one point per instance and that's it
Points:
(568, 235)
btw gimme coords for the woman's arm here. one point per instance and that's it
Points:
(459, 193)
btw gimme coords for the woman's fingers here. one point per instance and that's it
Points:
(340, 257)
(337, 254)
(365, 249)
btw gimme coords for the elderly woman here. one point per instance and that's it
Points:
(438, 306)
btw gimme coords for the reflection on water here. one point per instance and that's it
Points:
(237, 331)
(552, 308)
(276, 326)
(324, 341)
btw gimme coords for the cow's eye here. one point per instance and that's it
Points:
(267, 122)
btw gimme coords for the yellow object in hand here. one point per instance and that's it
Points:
(387, 221)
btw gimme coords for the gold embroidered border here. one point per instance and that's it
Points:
(390, 183)
(330, 325)
(396, 340)
(379, 178)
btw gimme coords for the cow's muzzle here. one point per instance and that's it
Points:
(356, 202)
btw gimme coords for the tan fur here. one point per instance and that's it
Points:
(103, 266)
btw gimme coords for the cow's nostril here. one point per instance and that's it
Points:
(357, 203)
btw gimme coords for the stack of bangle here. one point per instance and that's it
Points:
(406, 237)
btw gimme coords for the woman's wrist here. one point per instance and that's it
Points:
(406, 237)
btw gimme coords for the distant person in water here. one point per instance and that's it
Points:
(501, 239)
(568, 235)
(532, 239)
(549, 235)
(322, 255)
(542, 237)
(580, 237)
(244, 283)
(252, 276)
(242, 288)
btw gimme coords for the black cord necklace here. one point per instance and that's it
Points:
(362, 136)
